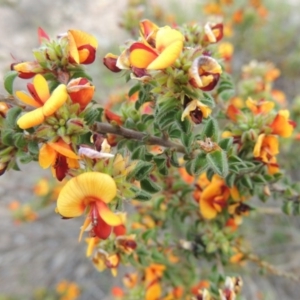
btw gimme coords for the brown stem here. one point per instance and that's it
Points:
(139, 136)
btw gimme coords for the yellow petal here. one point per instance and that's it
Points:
(166, 36)
(57, 99)
(25, 98)
(73, 48)
(63, 148)
(167, 57)
(207, 210)
(82, 190)
(82, 38)
(141, 55)
(31, 119)
(257, 147)
(47, 156)
(107, 215)
(41, 87)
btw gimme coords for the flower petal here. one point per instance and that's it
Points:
(81, 190)
(141, 55)
(57, 99)
(167, 57)
(83, 38)
(31, 119)
(63, 148)
(25, 98)
(41, 87)
(47, 156)
(107, 215)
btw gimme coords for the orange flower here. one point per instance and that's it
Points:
(82, 47)
(233, 112)
(215, 197)
(259, 107)
(205, 73)
(90, 192)
(40, 97)
(281, 124)
(81, 91)
(117, 292)
(159, 50)
(266, 147)
(60, 156)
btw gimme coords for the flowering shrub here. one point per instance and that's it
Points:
(164, 176)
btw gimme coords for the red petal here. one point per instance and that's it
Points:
(42, 35)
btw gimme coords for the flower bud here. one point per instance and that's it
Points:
(75, 126)
(110, 62)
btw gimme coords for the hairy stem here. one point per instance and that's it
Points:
(139, 136)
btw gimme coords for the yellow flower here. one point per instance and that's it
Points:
(196, 110)
(82, 47)
(259, 107)
(60, 156)
(46, 104)
(90, 192)
(103, 260)
(167, 46)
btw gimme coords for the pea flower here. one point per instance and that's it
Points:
(60, 156)
(259, 107)
(81, 91)
(90, 192)
(46, 104)
(82, 47)
(215, 197)
(213, 32)
(281, 124)
(204, 73)
(196, 110)
(167, 47)
(266, 147)
(103, 260)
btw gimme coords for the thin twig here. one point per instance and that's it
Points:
(139, 136)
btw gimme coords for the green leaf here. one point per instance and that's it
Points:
(211, 129)
(226, 143)
(24, 157)
(12, 116)
(91, 116)
(187, 140)
(217, 160)
(134, 89)
(230, 179)
(19, 140)
(174, 159)
(160, 160)
(141, 195)
(200, 163)
(287, 207)
(247, 182)
(149, 186)
(7, 137)
(208, 100)
(9, 78)
(185, 125)
(33, 147)
(139, 153)
(141, 170)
